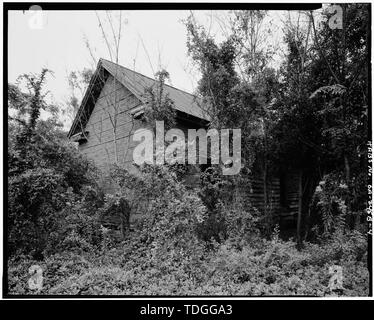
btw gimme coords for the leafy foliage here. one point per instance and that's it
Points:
(264, 268)
(44, 172)
(159, 105)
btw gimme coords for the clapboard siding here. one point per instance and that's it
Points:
(255, 194)
(292, 197)
(283, 211)
(102, 141)
(105, 110)
(251, 194)
(98, 136)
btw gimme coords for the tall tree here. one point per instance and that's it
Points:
(341, 73)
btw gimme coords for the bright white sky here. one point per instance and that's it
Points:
(59, 45)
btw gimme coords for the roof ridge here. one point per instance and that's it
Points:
(185, 102)
(143, 75)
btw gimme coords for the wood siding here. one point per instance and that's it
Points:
(100, 144)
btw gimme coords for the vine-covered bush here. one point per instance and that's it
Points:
(77, 227)
(171, 213)
(165, 254)
(230, 217)
(46, 216)
(52, 194)
(332, 209)
(262, 268)
(34, 198)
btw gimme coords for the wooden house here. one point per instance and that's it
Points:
(115, 99)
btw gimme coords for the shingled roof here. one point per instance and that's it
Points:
(136, 83)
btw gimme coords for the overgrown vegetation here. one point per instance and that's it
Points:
(156, 236)
(168, 253)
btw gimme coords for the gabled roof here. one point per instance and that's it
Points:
(136, 83)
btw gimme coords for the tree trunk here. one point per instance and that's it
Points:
(347, 168)
(265, 184)
(300, 211)
(309, 190)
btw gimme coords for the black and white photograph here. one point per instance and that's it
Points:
(187, 150)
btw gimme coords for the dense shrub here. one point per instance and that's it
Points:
(45, 216)
(54, 268)
(230, 217)
(77, 227)
(34, 198)
(171, 214)
(47, 192)
(263, 268)
(165, 254)
(168, 251)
